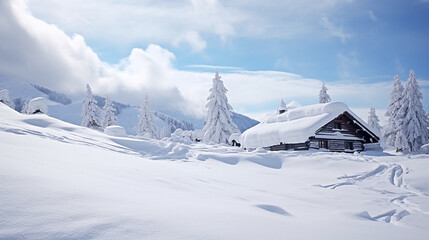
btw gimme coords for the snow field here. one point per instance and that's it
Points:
(62, 181)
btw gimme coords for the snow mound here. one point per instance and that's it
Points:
(181, 136)
(295, 125)
(37, 105)
(425, 148)
(115, 131)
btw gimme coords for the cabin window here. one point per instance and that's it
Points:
(337, 125)
(348, 145)
(323, 144)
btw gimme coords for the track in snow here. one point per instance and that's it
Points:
(393, 175)
(352, 180)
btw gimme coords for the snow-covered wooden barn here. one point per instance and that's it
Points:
(332, 126)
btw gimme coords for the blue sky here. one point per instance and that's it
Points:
(381, 39)
(272, 49)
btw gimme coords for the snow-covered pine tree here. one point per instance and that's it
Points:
(394, 121)
(323, 95)
(282, 108)
(90, 111)
(373, 120)
(24, 109)
(109, 117)
(218, 123)
(4, 98)
(282, 104)
(145, 126)
(414, 124)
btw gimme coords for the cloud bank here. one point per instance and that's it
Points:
(37, 52)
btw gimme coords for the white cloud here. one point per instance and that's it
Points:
(195, 41)
(37, 52)
(40, 53)
(334, 30)
(131, 22)
(212, 67)
(372, 16)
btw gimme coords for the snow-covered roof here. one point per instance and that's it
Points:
(37, 104)
(295, 125)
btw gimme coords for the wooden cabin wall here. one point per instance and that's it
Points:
(336, 144)
(295, 146)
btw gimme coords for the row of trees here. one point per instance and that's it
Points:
(93, 117)
(218, 122)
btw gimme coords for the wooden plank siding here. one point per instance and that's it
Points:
(342, 134)
(344, 125)
(295, 146)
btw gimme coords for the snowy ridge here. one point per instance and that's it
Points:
(53, 95)
(295, 125)
(243, 122)
(182, 124)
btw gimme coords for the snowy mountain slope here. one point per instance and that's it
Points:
(20, 89)
(72, 112)
(62, 181)
(243, 122)
(127, 118)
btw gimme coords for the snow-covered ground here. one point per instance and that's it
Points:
(62, 181)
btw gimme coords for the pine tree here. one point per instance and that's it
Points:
(4, 98)
(373, 120)
(109, 117)
(323, 95)
(24, 109)
(394, 121)
(282, 104)
(146, 126)
(282, 108)
(90, 111)
(414, 124)
(218, 123)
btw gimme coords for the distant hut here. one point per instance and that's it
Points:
(36, 105)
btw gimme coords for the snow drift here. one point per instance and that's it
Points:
(115, 130)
